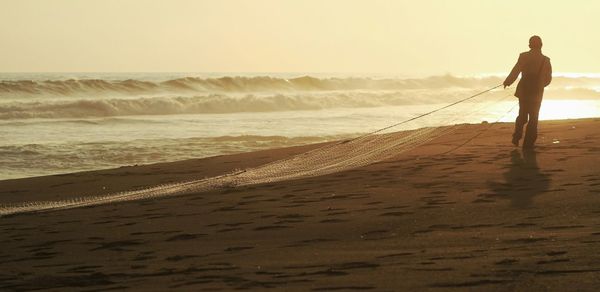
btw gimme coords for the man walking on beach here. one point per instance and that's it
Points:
(536, 73)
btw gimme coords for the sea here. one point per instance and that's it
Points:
(54, 123)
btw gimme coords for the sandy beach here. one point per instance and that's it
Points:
(485, 216)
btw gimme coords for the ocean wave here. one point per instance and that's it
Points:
(210, 104)
(98, 98)
(75, 87)
(195, 85)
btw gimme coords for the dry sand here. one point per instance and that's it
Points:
(486, 216)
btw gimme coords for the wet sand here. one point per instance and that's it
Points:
(486, 216)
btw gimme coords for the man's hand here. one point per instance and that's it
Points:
(506, 85)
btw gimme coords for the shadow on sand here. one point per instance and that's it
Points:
(522, 181)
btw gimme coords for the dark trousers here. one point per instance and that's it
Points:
(529, 111)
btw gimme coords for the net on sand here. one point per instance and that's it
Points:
(327, 159)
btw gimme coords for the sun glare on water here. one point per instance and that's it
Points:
(569, 109)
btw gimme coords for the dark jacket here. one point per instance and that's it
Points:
(536, 73)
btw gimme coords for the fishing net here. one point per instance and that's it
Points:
(330, 158)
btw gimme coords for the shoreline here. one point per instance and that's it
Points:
(301, 147)
(136, 177)
(487, 216)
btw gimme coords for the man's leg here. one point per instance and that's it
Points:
(520, 122)
(531, 135)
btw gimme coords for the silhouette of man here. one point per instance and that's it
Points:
(536, 73)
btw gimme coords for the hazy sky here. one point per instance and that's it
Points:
(412, 37)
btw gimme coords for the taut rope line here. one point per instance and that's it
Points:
(430, 112)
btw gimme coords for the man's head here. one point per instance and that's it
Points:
(535, 42)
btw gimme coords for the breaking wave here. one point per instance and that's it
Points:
(195, 85)
(208, 104)
(93, 98)
(74, 87)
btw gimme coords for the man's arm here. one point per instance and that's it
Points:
(514, 73)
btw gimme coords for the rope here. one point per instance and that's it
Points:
(384, 128)
(427, 113)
